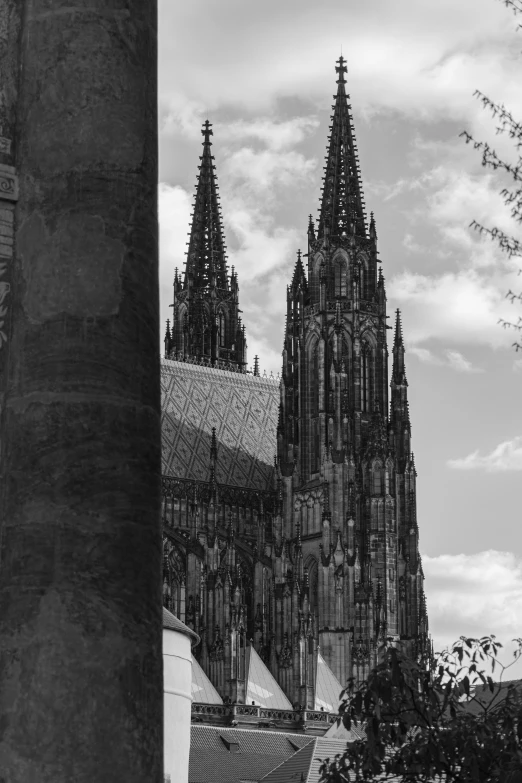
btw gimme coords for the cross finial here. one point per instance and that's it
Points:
(206, 131)
(341, 69)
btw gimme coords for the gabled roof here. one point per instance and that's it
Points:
(295, 769)
(304, 766)
(202, 689)
(252, 753)
(328, 688)
(262, 687)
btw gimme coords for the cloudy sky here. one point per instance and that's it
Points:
(263, 73)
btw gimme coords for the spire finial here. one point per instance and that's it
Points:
(207, 132)
(341, 69)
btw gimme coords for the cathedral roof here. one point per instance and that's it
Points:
(238, 755)
(342, 203)
(262, 688)
(202, 689)
(242, 408)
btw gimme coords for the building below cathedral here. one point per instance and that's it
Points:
(291, 544)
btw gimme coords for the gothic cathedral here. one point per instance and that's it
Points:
(290, 529)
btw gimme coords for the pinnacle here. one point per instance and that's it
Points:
(398, 329)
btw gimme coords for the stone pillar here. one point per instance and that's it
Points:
(81, 687)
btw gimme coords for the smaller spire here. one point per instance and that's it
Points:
(398, 329)
(256, 366)
(311, 227)
(213, 445)
(168, 339)
(373, 231)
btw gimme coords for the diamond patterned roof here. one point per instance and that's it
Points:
(243, 409)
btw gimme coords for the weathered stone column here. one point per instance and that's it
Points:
(81, 690)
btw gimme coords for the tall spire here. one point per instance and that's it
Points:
(342, 204)
(206, 258)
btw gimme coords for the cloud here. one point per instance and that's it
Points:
(174, 207)
(517, 365)
(506, 456)
(416, 61)
(453, 359)
(275, 135)
(412, 246)
(461, 306)
(265, 170)
(457, 361)
(475, 595)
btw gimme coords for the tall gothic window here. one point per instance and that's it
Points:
(347, 361)
(377, 479)
(220, 322)
(314, 408)
(366, 378)
(362, 282)
(339, 279)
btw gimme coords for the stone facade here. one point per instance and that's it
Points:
(319, 554)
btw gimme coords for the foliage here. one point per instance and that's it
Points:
(446, 720)
(512, 195)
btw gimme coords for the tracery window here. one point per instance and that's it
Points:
(314, 408)
(377, 480)
(339, 279)
(366, 378)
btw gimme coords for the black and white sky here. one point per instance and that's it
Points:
(263, 74)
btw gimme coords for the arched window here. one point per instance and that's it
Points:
(314, 406)
(366, 378)
(220, 323)
(315, 285)
(377, 479)
(339, 279)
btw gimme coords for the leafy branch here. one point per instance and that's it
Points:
(512, 196)
(447, 721)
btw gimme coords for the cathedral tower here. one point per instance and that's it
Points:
(292, 576)
(205, 323)
(346, 467)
